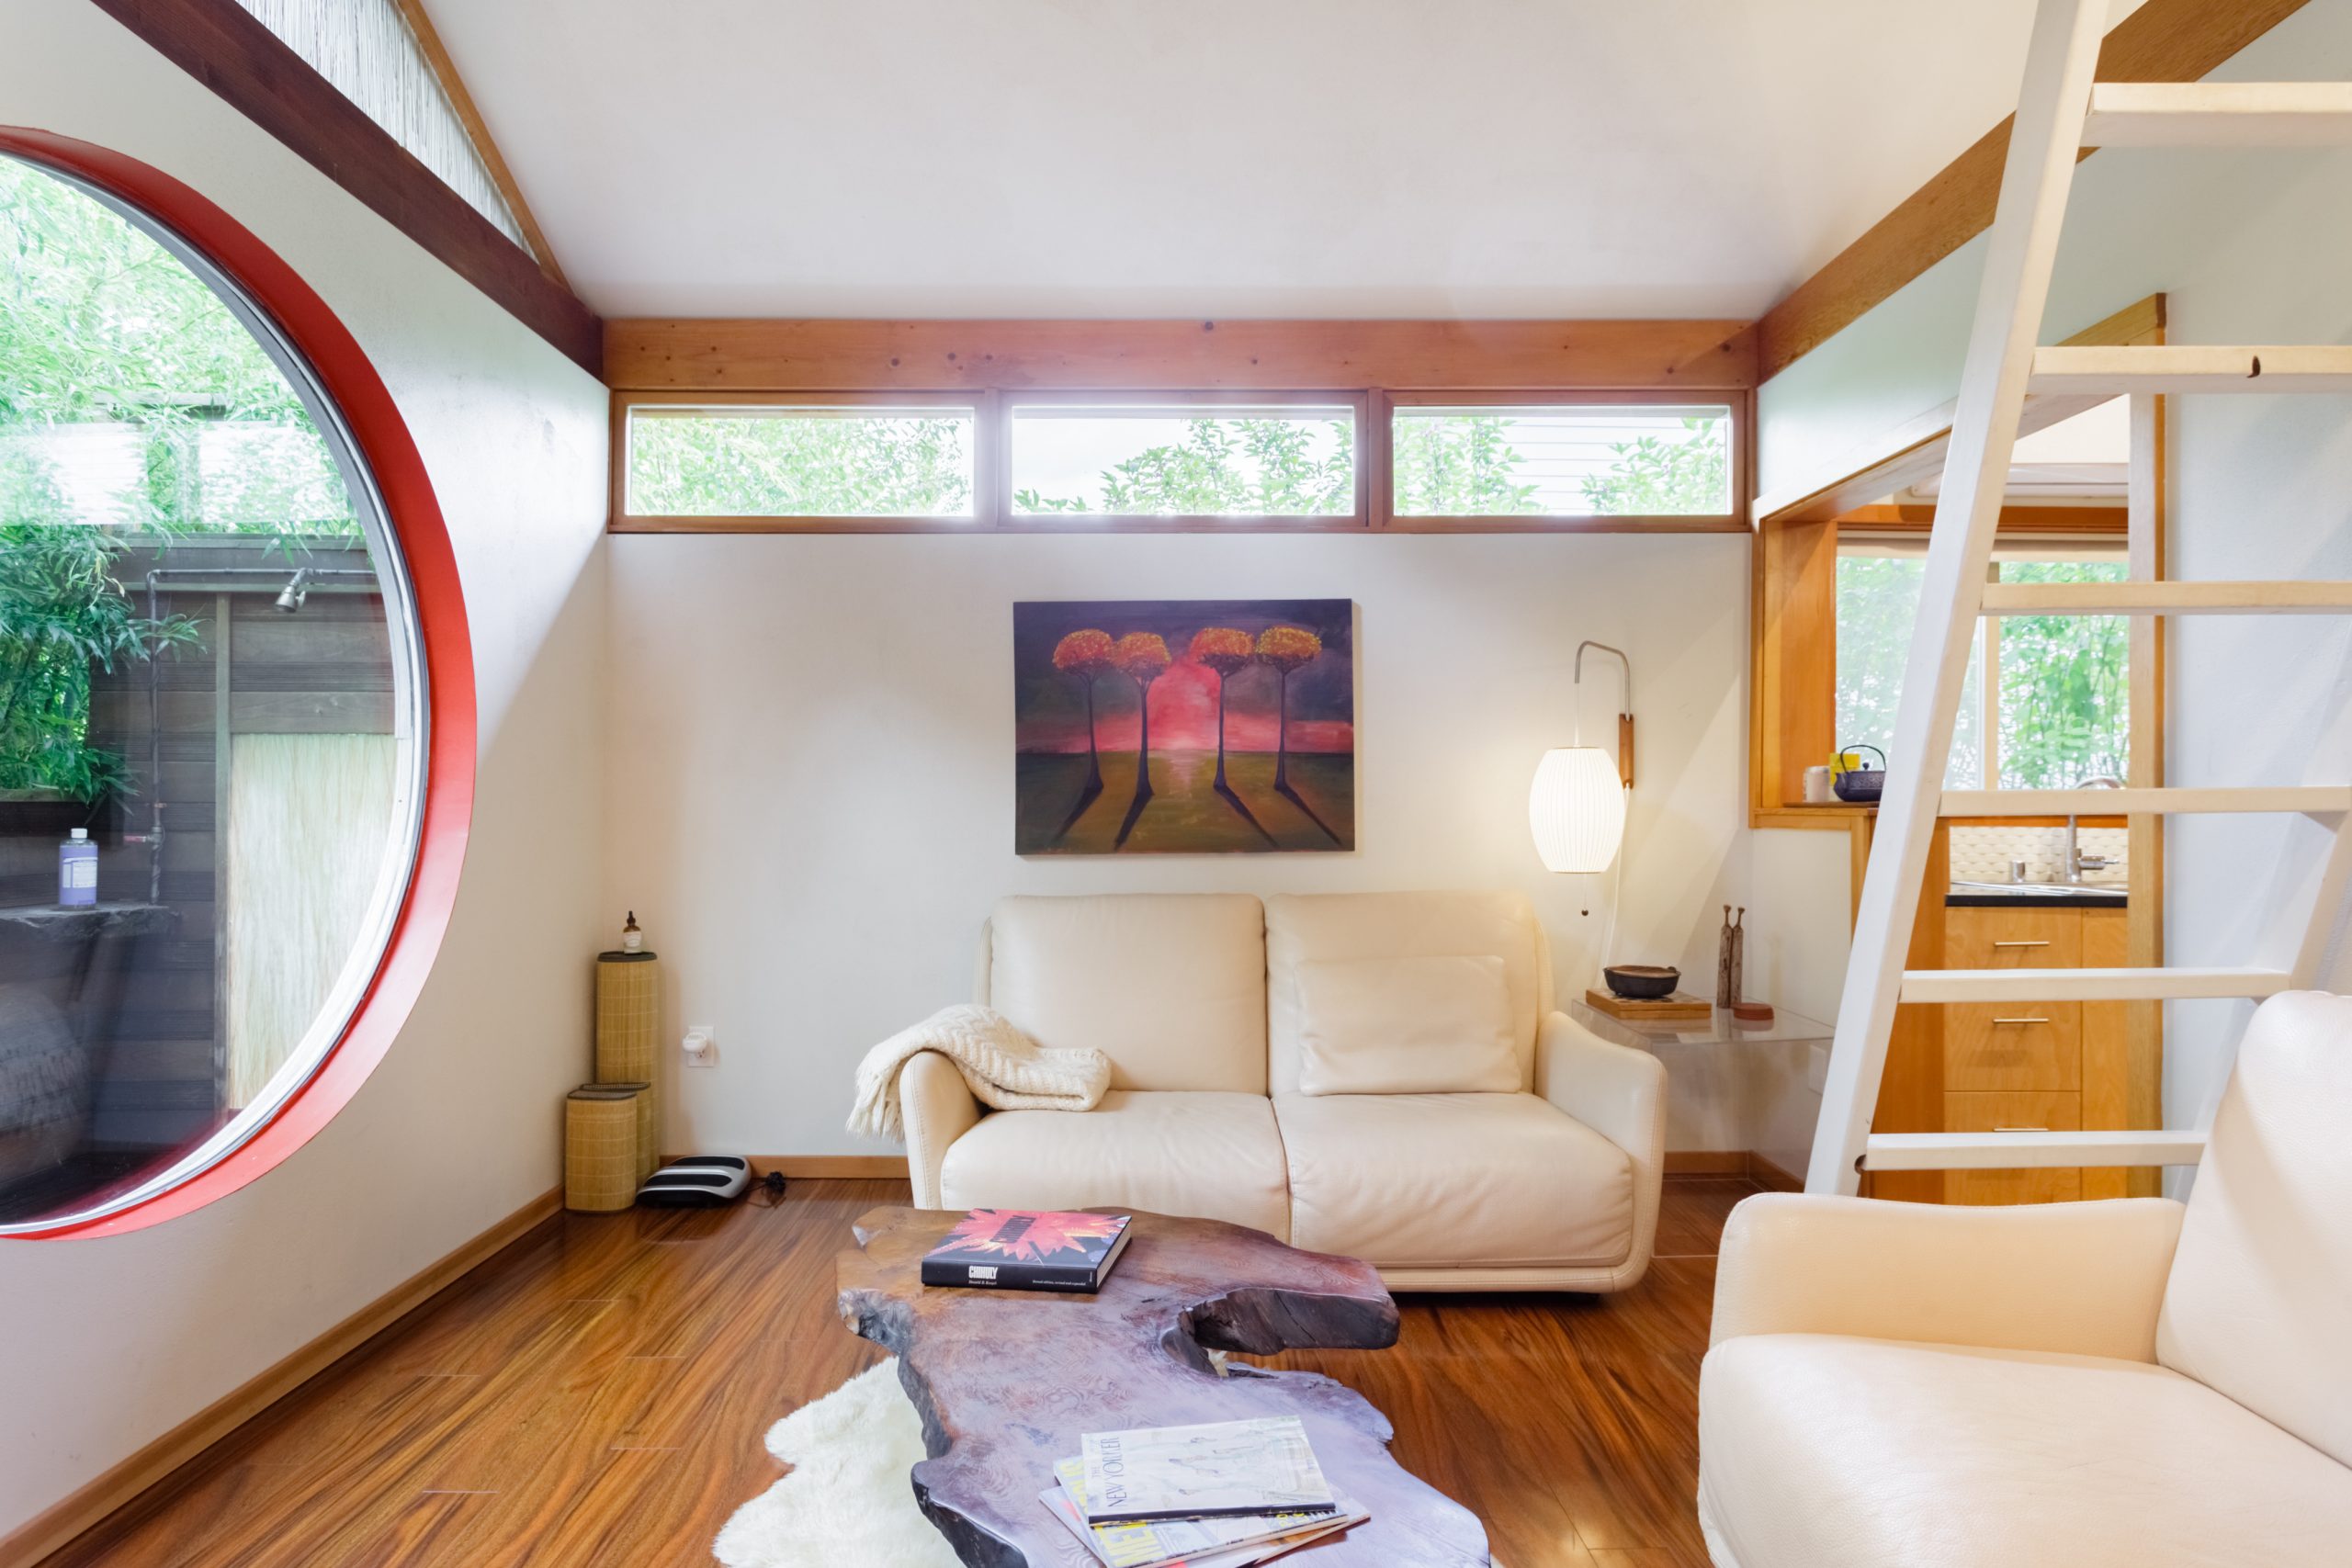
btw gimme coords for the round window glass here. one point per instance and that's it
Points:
(211, 719)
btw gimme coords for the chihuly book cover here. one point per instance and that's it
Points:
(1028, 1249)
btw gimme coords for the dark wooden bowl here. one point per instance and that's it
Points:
(1642, 982)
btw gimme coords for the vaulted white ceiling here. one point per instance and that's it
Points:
(1222, 157)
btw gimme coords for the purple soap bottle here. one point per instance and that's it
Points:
(78, 871)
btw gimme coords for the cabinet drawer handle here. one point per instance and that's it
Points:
(2020, 1021)
(2020, 1129)
(2044, 943)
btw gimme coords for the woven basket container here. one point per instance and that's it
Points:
(648, 1132)
(628, 1015)
(600, 1139)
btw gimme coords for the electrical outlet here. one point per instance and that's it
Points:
(701, 1045)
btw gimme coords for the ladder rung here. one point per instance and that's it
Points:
(2320, 800)
(2167, 598)
(2219, 114)
(2088, 985)
(2286, 369)
(2019, 1151)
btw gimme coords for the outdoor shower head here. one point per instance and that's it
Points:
(297, 589)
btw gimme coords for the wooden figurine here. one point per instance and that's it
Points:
(1731, 957)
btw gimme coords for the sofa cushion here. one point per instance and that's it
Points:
(1211, 1157)
(1303, 929)
(2255, 1305)
(1406, 1026)
(1440, 1180)
(1171, 987)
(1822, 1451)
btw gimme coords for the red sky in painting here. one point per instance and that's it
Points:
(1183, 716)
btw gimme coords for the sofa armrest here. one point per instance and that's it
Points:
(1620, 1093)
(2081, 1279)
(937, 1107)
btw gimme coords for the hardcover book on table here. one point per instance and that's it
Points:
(1195, 1472)
(1028, 1249)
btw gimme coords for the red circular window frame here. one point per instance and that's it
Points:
(382, 438)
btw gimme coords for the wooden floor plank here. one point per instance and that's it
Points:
(601, 1393)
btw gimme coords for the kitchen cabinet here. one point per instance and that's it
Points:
(2026, 1066)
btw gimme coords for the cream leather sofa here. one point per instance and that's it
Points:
(2119, 1383)
(1222, 1015)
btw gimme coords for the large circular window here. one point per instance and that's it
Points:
(213, 710)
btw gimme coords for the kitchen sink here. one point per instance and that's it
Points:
(2043, 889)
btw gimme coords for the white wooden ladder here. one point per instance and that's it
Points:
(2059, 110)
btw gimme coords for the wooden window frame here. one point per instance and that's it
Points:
(1793, 636)
(1732, 401)
(1374, 470)
(1354, 520)
(911, 403)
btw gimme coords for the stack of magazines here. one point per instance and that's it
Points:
(1221, 1495)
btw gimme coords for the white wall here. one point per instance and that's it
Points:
(2252, 248)
(811, 772)
(104, 1345)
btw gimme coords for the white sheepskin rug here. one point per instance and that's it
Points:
(848, 1499)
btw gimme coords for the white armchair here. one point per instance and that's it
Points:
(1620, 1093)
(2126, 1383)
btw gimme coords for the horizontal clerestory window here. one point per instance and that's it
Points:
(1149, 460)
(818, 459)
(1561, 459)
(1091, 458)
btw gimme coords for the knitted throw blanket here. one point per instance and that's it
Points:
(1006, 1069)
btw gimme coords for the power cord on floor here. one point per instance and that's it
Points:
(769, 1190)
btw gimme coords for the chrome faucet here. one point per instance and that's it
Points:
(2078, 863)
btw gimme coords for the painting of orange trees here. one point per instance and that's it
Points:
(1184, 727)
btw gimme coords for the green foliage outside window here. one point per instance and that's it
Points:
(1466, 466)
(692, 466)
(105, 335)
(2064, 679)
(1878, 602)
(102, 330)
(1226, 467)
(2066, 685)
(1461, 467)
(689, 466)
(1665, 479)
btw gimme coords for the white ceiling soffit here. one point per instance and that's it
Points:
(1492, 158)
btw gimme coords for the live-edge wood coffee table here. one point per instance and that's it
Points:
(1006, 1381)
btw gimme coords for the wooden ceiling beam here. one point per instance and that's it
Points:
(843, 355)
(2163, 41)
(232, 54)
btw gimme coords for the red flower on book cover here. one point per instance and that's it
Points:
(1044, 1233)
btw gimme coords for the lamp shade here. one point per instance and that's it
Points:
(1576, 808)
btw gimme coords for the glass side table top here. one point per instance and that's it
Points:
(1718, 1029)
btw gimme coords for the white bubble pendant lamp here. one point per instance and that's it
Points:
(1576, 808)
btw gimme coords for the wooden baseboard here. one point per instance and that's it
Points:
(124, 1484)
(833, 1167)
(1731, 1162)
(1706, 1162)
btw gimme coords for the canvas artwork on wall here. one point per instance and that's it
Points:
(1184, 727)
